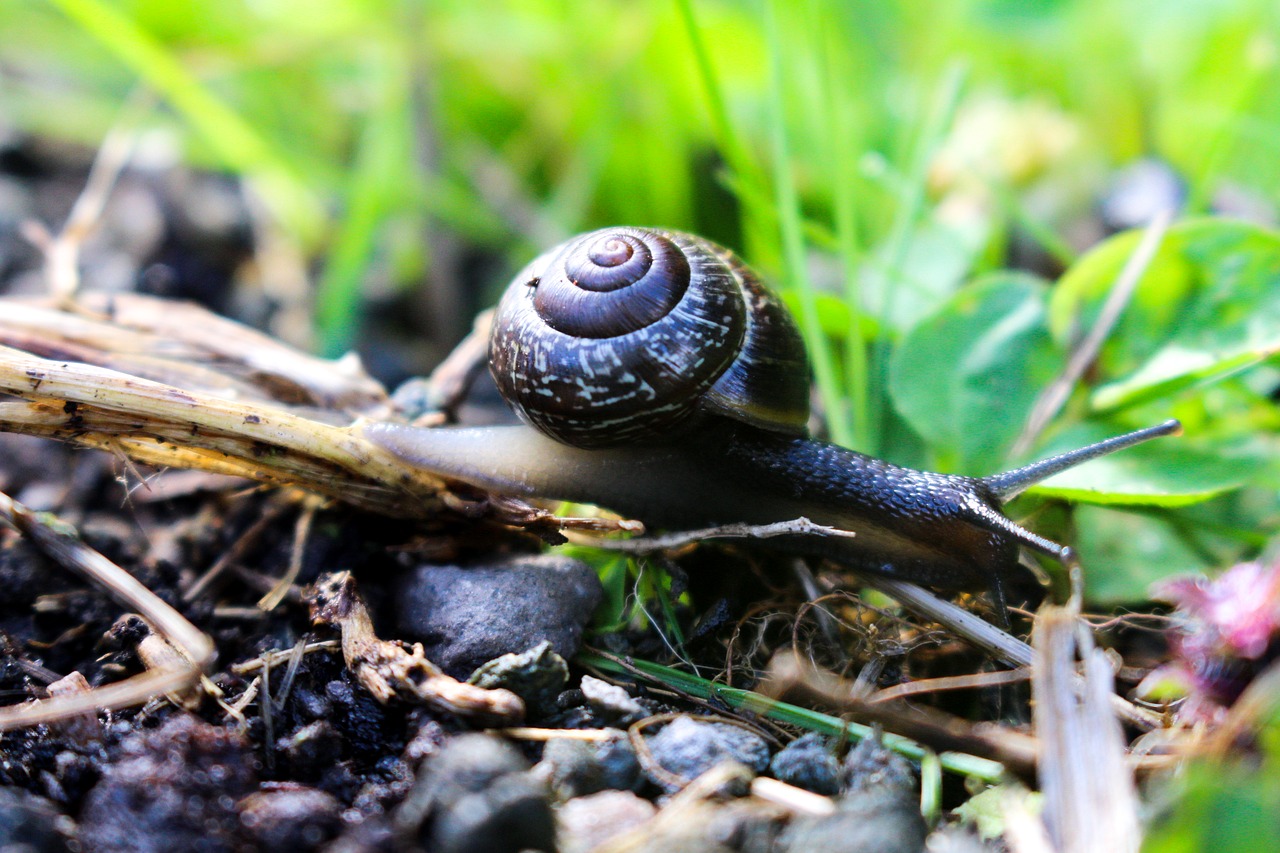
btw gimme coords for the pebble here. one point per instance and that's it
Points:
(537, 676)
(689, 748)
(467, 616)
(290, 816)
(614, 703)
(174, 788)
(869, 766)
(477, 796)
(878, 810)
(28, 822)
(883, 820)
(571, 767)
(620, 768)
(808, 763)
(587, 822)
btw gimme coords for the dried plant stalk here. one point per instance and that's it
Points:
(193, 650)
(1090, 802)
(388, 669)
(185, 345)
(174, 385)
(164, 425)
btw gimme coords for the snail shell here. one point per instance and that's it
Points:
(628, 335)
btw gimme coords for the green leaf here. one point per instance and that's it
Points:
(1229, 805)
(966, 377)
(1207, 308)
(934, 264)
(1124, 553)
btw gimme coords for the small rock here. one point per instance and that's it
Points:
(290, 817)
(360, 720)
(807, 763)
(571, 767)
(28, 823)
(467, 616)
(869, 766)
(537, 676)
(620, 768)
(612, 701)
(883, 821)
(879, 809)
(689, 748)
(174, 789)
(476, 796)
(586, 823)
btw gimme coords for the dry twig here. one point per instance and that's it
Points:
(794, 680)
(193, 651)
(989, 638)
(388, 669)
(1090, 802)
(679, 539)
(1051, 399)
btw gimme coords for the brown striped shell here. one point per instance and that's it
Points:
(625, 335)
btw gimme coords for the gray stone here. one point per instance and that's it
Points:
(869, 766)
(537, 676)
(476, 796)
(614, 702)
(618, 762)
(467, 616)
(872, 822)
(571, 767)
(689, 748)
(586, 823)
(808, 763)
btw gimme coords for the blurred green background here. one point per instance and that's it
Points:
(369, 128)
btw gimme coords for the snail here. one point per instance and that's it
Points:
(659, 378)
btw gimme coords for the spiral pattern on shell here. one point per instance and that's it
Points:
(625, 334)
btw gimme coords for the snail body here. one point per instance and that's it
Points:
(589, 377)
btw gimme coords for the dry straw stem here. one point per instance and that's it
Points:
(999, 644)
(792, 679)
(1089, 798)
(171, 384)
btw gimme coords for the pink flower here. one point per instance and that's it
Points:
(1226, 629)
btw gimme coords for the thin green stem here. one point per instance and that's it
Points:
(843, 153)
(746, 171)
(790, 222)
(908, 215)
